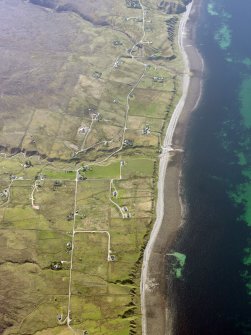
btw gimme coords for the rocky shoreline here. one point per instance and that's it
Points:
(156, 310)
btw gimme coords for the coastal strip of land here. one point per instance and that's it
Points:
(156, 314)
(79, 166)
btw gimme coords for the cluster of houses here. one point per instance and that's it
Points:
(56, 266)
(4, 193)
(111, 258)
(92, 111)
(136, 19)
(97, 75)
(83, 130)
(118, 63)
(158, 80)
(117, 43)
(133, 4)
(126, 213)
(57, 183)
(146, 130)
(27, 164)
(124, 209)
(14, 177)
(86, 168)
(40, 177)
(70, 217)
(69, 246)
(128, 143)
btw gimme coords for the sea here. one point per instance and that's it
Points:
(213, 295)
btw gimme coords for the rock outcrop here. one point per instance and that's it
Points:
(45, 3)
(64, 6)
(170, 7)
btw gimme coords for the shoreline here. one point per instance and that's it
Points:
(170, 209)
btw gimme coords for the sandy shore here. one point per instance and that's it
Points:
(156, 316)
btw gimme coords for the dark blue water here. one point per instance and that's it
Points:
(214, 295)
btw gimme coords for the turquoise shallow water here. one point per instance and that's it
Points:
(213, 295)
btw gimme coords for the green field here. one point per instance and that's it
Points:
(84, 108)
